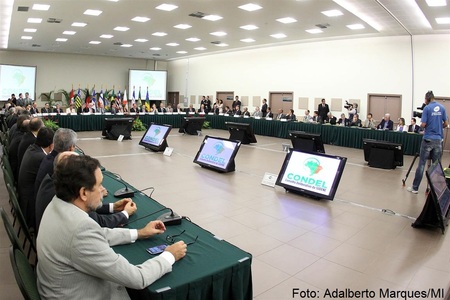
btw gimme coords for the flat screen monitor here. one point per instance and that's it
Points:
(439, 189)
(312, 174)
(192, 125)
(17, 79)
(115, 127)
(368, 144)
(304, 141)
(217, 153)
(148, 84)
(155, 138)
(242, 132)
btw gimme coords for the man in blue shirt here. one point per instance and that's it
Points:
(434, 119)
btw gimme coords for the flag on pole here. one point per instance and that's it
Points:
(139, 98)
(93, 96)
(119, 98)
(87, 100)
(78, 99)
(100, 97)
(133, 99)
(147, 102)
(112, 96)
(125, 98)
(71, 96)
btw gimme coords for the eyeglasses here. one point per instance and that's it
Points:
(171, 238)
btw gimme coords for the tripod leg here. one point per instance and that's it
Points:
(410, 167)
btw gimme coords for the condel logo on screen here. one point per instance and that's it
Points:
(311, 166)
(153, 139)
(215, 158)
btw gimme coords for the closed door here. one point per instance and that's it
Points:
(281, 100)
(379, 105)
(226, 97)
(173, 98)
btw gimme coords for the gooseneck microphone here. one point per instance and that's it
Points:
(170, 218)
(123, 192)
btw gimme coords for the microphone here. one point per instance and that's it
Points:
(123, 192)
(170, 218)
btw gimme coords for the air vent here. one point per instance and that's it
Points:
(118, 44)
(197, 15)
(323, 26)
(156, 54)
(23, 8)
(35, 45)
(216, 42)
(54, 20)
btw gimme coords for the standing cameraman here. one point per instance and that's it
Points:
(434, 119)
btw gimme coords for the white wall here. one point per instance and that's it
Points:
(347, 69)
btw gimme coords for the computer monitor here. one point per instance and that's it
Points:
(192, 125)
(316, 175)
(242, 132)
(155, 138)
(218, 154)
(115, 127)
(397, 149)
(305, 141)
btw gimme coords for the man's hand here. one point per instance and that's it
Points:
(120, 205)
(130, 208)
(152, 228)
(178, 250)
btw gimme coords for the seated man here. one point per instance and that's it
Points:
(281, 114)
(291, 116)
(386, 123)
(245, 112)
(75, 254)
(257, 112)
(356, 122)
(331, 119)
(414, 127)
(307, 117)
(369, 122)
(343, 121)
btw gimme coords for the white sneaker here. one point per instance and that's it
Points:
(410, 189)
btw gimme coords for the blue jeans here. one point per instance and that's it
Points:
(428, 149)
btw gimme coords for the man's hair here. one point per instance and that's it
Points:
(429, 95)
(44, 137)
(64, 139)
(20, 124)
(35, 124)
(370, 114)
(73, 173)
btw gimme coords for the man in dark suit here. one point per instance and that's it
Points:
(46, 109)
(28, 139)
(58, 109)
(414, 127)
(323, 111)
(235, 103)
(281, 114)
(134, 108)
(386, 123)
(34, 109)
(190, 109)
(28, 171)
(264, 108)
(269, 113)
(22, 128)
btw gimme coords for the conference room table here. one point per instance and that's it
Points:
(351, 137)
(212, 268)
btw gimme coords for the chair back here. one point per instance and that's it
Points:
(23, 272)
(10, 229)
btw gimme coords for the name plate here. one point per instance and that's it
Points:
(257, 118)
(168, 151)
(269, 119)
(283, 120)
(269, 179)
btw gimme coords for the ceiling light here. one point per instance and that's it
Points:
(436, 2)
(222, 45)
(212, 17)
(30, 30)
(278, 35)
(166, 7)
(350, 7)
(121, 28)
(106, 36)
(218, 33)
(61, 40)
(332, 13)
(314, 31)
(93, 12)
(26, 37)
(249, 27)
(40, 7)
(287, 20)
(5, 23)
(181, 52)
(443, 20)
(155, 48)
(193, 39)
(172, 44)
(69, 32)
(250, 7)
(141, 40)
(159, 34)
(95, 42)
(140, 19)
(126, 45)
(247, 40)
(355, 26)
(79, 24)
(200, 48)
(182, 26)
(34, 20)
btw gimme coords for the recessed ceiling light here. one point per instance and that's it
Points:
(69, 32)
(172, 44)
(436, 2)
(95, 42)
(182, 26)
(141, 40)
(200, 48)
(247, 40)
(121, 28)
(26, 37)
(249, 27)
(34, 20)
(30, 30)
(140, 19)
(287, 20)
(155, 48)
(369, 19)
(212, 17)
(222, 45)
(61, 40)
(314, 31)
(93, 12)
(355, 26)
(166, 7)
(193, 39)
(79, 24)
(159, 34)
(181, 52)
(126, 45)
(443, 20)
(218, 33)
(106, 36)
(332, 13)
(40, 7)
(278, 35)
(250, 7)
(113, 0)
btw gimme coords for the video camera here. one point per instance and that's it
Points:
(417, 114)
(348, 105)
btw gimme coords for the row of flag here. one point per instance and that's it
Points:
(122, 99)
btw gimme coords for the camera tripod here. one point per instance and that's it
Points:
(410, 167)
